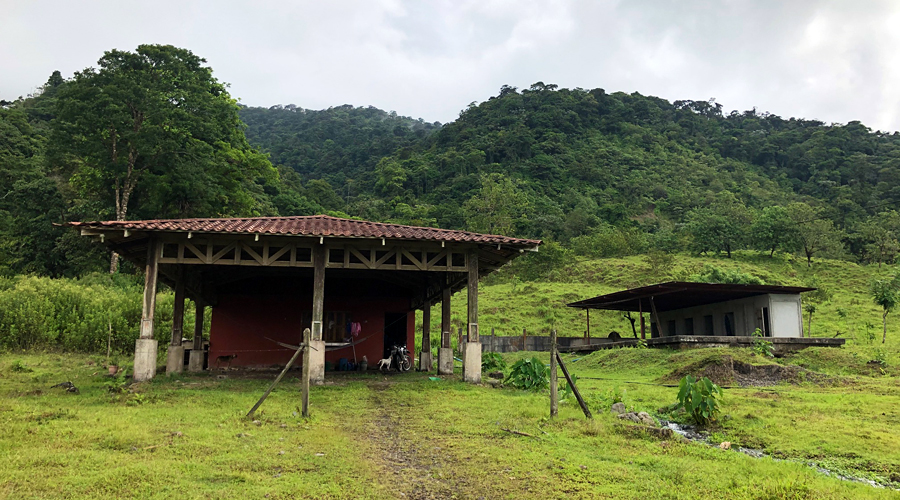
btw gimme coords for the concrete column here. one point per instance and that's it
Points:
(445, 353)
(472, 353)
(195, 363)
(175, 355)
(425, 356)
(316, 365)
(146, 346)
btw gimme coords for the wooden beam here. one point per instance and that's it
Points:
(472, 306)
(426, 328)
(200, 309)
(149, 303)
(445, 317)
(318, 308)
(656, 319)
(588, 311)
(178, 310)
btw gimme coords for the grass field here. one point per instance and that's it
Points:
(407, 436)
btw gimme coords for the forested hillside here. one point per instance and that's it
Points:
(594, 173)
(607, 174)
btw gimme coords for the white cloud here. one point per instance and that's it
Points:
(834, 61)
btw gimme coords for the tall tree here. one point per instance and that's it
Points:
(881, 232)
(772, 230)
(155, 124)
(815, 234)
(885, 293)
(722, 226)
(499, 207)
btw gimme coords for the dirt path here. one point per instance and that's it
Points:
(415, 462)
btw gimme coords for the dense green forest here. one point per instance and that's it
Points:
(152, 133)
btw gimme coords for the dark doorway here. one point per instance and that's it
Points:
(729, 324)
(767, 322)
(394, 331)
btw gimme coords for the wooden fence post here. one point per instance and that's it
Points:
(554, 385)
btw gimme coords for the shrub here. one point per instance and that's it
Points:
(529, 374)
(492, 361)
(76, 315)
(761, 346)
(699, 398)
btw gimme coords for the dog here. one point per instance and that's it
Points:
(384, 364)
(225, 359)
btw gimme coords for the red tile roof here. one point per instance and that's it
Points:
(314, 225)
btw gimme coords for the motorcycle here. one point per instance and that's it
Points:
(400, 358)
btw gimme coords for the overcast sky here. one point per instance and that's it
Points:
(834, 61)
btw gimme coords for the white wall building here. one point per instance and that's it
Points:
(709, 309)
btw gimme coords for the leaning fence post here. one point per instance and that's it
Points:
(554, 386)
(303, 347)
(584, 406)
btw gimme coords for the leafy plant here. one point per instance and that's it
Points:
(529, 374)
(761, 346)
(880, 357)
(870, 333)
(565, 389)
(699, 398)
(492, 361)
(19, 366)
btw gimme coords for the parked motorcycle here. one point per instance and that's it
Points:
(400, 358)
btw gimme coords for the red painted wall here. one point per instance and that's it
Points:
(241, 323)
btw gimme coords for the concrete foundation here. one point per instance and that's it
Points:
(195, 363)
(472, 362)
(174, 360)
(316, 362)
(425, 361)
(145, 359)
(445, 361)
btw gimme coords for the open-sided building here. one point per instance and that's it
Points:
(355, 284)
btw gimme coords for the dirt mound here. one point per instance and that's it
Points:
(725, 371)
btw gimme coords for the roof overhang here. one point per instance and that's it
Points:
(254, 244)
(680, 295)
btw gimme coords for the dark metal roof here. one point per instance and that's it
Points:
(679, 295)
(315, 225)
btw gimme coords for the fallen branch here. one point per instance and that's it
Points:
(518, 433)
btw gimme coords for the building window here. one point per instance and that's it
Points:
(671, 327)
(688, 326)
(729, 324)
(708, 328)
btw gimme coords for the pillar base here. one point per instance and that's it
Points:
(316, 362)
(174, 360)
(195, 363)
(425, 361)
(472, 363)
(445, 361)
(145, 359)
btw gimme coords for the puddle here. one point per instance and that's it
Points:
(691, 433)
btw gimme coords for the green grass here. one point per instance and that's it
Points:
(411, 437)
(383, 436)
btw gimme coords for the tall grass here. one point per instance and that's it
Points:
(79, 315)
